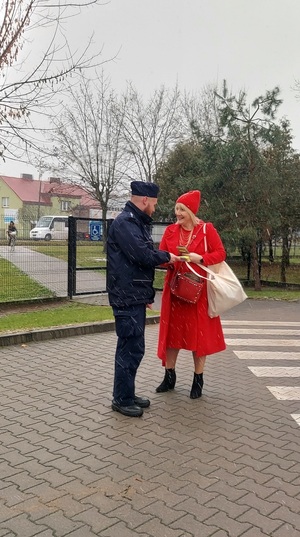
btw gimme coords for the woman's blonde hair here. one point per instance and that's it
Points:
(194, 218)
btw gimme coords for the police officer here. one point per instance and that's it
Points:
(131, 262)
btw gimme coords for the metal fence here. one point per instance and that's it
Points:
(23, 225)
(76, 265)
(39, 269)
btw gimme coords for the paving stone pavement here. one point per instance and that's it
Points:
(227, 464)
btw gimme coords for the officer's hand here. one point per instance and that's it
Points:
(174, 258)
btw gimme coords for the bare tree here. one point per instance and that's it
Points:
(26, 90)
(151, 129)
(200, 114)
(88, 141)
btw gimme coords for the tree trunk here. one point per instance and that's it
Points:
(248, 266)
(271, 253)
(255, 264)
(104, 228)
(259, 256)
(285, 257)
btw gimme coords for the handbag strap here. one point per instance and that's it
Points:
(205, 239)
(202, 266)
(197, 273)
(211, 272)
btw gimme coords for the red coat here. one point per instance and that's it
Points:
(203, 334)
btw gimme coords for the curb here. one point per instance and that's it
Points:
(21, 338)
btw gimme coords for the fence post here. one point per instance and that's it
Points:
(108, 223)
(72, 256)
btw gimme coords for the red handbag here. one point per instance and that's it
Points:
(186, 286)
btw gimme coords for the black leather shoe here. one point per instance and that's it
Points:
(142, 402)
(133, 411)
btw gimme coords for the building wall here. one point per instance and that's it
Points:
(57, 205)
(12, 211)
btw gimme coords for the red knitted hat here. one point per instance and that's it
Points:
(191, 200)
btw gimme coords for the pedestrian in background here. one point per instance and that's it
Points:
(11, 230)
(184, 325)
(131, 262)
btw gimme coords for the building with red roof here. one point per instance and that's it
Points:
(24, 200)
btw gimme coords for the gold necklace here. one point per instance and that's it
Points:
(185, 236)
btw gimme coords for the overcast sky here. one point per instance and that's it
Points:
(253, 44)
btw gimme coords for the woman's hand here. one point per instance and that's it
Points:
(195, 258)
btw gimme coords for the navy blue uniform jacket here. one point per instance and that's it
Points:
(132, 258)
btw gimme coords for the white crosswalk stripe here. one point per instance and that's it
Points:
(286, 343)
(287, 393)
(276, 371)
(267, 355)
(259, 323)
(296, 417)
(261, 331)
(263, 342)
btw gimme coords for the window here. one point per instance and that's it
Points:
(62, 220)
(5, 202)
(65, 205)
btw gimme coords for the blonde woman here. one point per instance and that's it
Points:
(184, 325)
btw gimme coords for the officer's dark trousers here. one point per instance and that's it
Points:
(130, 329)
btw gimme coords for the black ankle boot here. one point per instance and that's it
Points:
(169, 381)
(197, 386)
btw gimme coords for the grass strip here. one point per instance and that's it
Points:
(270, 293)
(67, 315)
(23, 287)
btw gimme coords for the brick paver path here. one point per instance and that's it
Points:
(224, 465)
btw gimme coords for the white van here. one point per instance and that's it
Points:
(51, 227)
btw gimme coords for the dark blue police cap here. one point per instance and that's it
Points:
(142, 188)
